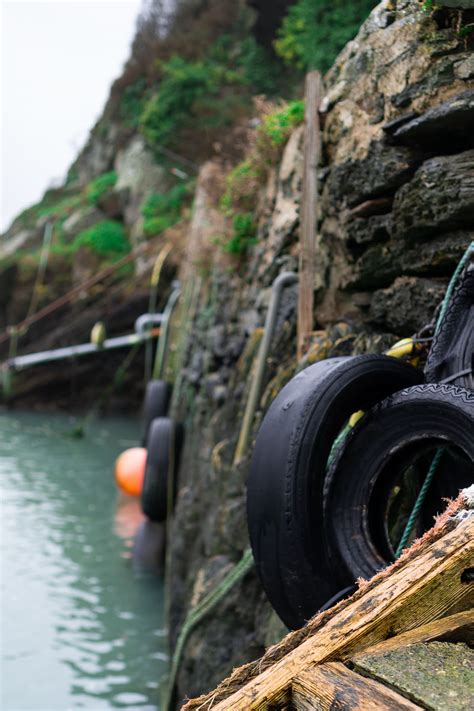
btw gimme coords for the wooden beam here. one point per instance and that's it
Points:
(427, 588)
(308, 211)
(329, 687)
(454, 628)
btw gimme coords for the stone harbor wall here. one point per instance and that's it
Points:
(396, 212)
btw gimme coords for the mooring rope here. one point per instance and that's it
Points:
(201, 610)
(420, 499)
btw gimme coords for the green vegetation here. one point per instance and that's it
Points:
(209, 93)
(60, 209)
(244, 234)
(104, 238)
(133, 102)
(182, 84)
(162, 210)
(278, 126)
(244, 181)
(241, 185)
(314, 31)
(98, 187)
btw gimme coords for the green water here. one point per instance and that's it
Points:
(78, 628)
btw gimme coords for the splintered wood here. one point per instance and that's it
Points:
(427, 597)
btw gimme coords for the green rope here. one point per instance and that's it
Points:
(449, 291)
(420, 500)
(203, 608)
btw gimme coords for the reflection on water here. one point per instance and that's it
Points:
(78, 628)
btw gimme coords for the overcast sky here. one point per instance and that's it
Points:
(59, 58)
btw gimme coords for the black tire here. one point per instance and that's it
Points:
(155, 404)
(287, 474)
(408, 426)
(453, 346)
(164, 445)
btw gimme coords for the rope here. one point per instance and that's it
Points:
(203, 608)
(449, 291)
(420, 500)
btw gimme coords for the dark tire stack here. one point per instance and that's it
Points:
(319, 518)
(163, 439)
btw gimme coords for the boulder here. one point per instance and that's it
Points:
(440, 197)
(449, 125)
(407, 305)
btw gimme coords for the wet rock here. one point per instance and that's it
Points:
(449, 125)
(383, 170)
(440, 197)
(381, 263)
(406, 305)
(439, 75)
(365, 231)
(465, 68)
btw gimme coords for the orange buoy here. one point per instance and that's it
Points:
(130, 470)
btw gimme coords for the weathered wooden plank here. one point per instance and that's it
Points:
(427, 588)
(309, 204)
(332, 686)
(437, 675)
(454, 628)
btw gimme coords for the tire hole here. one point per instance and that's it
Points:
(467, 576)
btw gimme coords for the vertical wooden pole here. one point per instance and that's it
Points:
(309, 203)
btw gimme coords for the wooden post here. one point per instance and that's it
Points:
(309, 202)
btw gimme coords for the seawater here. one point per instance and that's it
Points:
(79, 628)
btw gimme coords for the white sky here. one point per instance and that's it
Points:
(58, 60)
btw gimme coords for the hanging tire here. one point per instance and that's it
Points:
(288, 469)
(156, 404)
(452, 348)
(164, 445)
(387, 453)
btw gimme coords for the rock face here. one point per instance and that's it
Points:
(395, 215)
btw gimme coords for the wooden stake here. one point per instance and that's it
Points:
(309, 202)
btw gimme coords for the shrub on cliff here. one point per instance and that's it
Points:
(105, 238)
(243, 182)
(163, 210)
(314, 31)
(182, 84)
(98, 187)
(244, 234)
